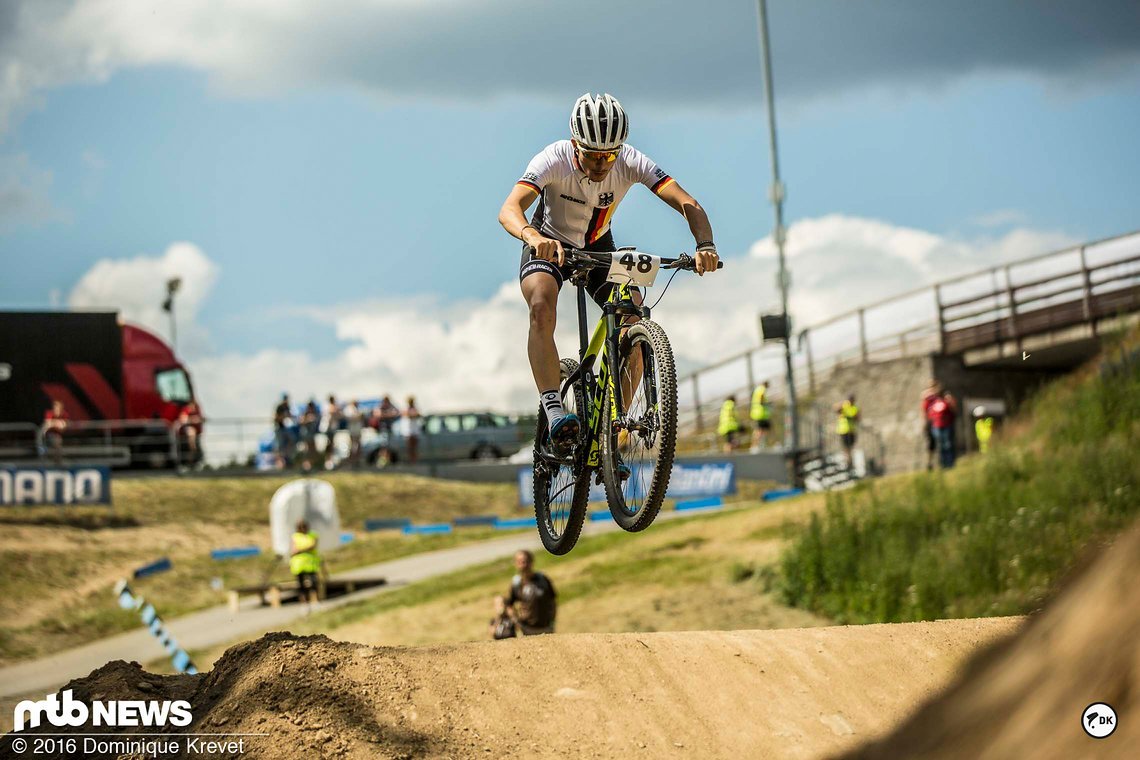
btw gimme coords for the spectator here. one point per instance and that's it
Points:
(847, 426)
(55, 423)
(502, 624)
(933, 391)
(532, 598)
(354, 419)
(282, 421)
(728, 427)
(333, 422)
(413, 427)
(305, 564)
(307, 427)
(943, 412)
(190, 427)
(761, 415)
(389, 416)
(983, 428)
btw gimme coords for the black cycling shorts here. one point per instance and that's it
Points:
(596, 284)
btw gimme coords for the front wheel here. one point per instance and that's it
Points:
(561, 487)
(643, 437)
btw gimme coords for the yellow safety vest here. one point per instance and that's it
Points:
(308, 560)
(984, 428)
(728, 423)
(759, 403)
(846, 422)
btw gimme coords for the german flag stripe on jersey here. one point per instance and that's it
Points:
(599, 222)
(531, 185)
(660, 185)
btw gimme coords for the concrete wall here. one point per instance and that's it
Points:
(889, 396)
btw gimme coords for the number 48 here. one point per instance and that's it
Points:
(644, 262)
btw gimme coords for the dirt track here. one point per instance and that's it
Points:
(802, 693)
(793, 693)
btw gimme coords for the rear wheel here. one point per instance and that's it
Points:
(561, 486)
(644, 436)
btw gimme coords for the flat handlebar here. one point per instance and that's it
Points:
(591, 259)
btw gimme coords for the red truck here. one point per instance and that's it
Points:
(121, 386)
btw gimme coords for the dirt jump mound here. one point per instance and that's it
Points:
(805, 693)
(795, 693)
(1025, 697)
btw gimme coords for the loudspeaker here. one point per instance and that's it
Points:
(775, 326)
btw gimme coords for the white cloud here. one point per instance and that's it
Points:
(468, 50)
(472, 354)
(137, 288)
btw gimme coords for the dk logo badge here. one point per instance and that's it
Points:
(1099, 720)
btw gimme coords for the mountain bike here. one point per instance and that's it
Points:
(629, 426)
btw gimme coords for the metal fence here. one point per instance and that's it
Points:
(1078, 286)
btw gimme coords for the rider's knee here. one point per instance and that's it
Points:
(543, 315)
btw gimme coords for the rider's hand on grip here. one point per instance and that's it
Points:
(706, 261)
(548, 250)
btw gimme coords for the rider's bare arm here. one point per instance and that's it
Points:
(687, 206)
(513, 218)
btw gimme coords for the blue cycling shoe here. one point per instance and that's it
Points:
(564, 432)
(623, 471)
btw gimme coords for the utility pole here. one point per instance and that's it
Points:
(776, 195)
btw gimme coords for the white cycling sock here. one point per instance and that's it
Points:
(552, 405)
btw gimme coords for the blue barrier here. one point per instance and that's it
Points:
(347, 537)
(781, 493)
(398, 523)
(235, 552)
(521, 522)
(599, 515)
(468, 520)
(420, 529)
(158, 566)
(713, 502)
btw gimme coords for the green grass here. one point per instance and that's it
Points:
(61, 562)
(640, 560)
(994, 536)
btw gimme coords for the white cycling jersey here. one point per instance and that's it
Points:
(573, 208)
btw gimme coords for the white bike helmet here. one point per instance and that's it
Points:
(598, 122)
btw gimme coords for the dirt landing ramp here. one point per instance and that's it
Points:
(791, 693)
(1023, 698)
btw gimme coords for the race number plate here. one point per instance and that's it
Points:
(634, 268)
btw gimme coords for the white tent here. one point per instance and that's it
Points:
(309, 499)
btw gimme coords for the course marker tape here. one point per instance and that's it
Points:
(150, 618)
(521, 522)
(599, 515)
(419, 529)
(713, 502)
(383, 523)
(158, 566)
(235, 552)
(468, 520)
(781, 493)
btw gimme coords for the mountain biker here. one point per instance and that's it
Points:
(578, 184)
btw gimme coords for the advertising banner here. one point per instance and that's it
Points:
(54, 485)
(686, 480)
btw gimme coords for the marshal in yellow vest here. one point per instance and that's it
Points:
(307, 561)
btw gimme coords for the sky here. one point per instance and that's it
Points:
(326, 178)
